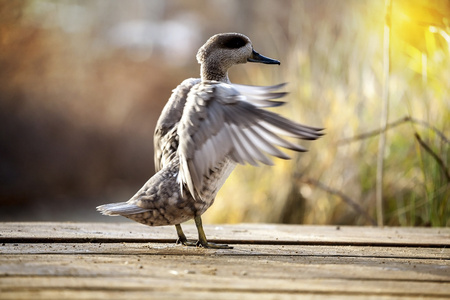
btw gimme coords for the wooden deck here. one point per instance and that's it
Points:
(132, 261)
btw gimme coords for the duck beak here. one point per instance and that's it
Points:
(258, 58)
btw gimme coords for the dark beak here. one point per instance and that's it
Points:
(258, 58)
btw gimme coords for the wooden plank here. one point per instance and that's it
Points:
(258, 274)
(233, 234)
(290, 266)
(154, 268)
(132, 272)
(242, 249)
(209, 284)
(57, 261)
(80, 294)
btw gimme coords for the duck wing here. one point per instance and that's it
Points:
(165, 139)
(223, 120)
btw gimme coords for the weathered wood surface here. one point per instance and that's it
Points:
(131, 261)
(242, 233)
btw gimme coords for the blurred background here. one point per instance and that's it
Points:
(82, 84)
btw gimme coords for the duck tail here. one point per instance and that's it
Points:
(120, 209)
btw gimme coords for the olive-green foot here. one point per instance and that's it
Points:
(209, 245)
(185, 242)
(182, 238)
(202, 241)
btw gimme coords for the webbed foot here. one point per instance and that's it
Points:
(182, 238)
(209, 245)
(186, 242)
(202, 242)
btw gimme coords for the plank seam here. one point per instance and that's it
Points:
(32, 240)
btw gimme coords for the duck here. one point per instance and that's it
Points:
(207, 127)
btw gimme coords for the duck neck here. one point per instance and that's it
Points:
(213, 73)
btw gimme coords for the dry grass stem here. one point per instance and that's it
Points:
(352, 203)
(392, 125)
(436, 157)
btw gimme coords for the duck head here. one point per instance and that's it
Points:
(224, 50)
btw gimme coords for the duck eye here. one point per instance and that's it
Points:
(234, 43)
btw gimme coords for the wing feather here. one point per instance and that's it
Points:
(243, 146)
(263, 144)
(224, 121)
(165, 137)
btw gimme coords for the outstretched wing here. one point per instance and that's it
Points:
(165, 138)
(225, 120)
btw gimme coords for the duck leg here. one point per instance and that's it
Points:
(182, 238)
(202, 242)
